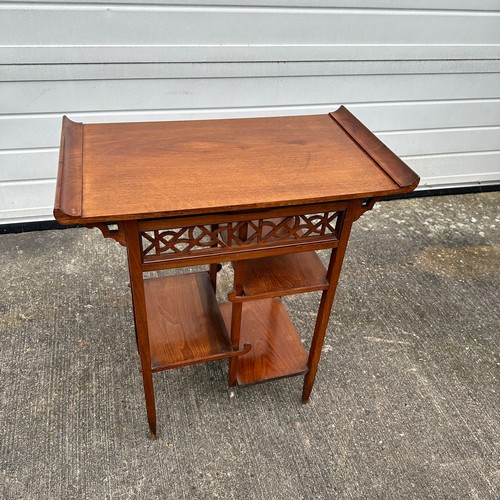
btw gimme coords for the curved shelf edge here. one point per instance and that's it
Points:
(193, 361)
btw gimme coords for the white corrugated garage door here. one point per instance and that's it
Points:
(426, 79)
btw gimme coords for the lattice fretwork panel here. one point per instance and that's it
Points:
(240, 234)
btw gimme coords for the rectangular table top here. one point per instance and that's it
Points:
(120, 171)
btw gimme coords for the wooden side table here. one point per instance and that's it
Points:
(262, 193)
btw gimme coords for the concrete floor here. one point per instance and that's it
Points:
(406, 401)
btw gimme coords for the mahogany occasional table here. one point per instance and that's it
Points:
(262, 193)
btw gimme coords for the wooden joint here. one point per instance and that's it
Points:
(233, 296)
(245, 350)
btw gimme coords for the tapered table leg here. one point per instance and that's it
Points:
(134, 253)
(236, 313)
(147, 380)
(333, 274)
(235, 339)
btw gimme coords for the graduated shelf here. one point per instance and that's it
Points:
(276, 352)
(184, 322)
(284, 274)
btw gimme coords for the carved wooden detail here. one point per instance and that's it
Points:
(259, 232)
(365, 206)
(110, 230)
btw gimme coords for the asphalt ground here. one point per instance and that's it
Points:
(405, 405)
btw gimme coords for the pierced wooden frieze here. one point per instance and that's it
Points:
(242, 234)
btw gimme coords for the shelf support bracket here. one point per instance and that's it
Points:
(110, 230)
(366, 205)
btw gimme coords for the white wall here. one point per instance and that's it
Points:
(426, 79)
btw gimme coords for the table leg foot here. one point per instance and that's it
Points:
(306, 391)
(152, 432)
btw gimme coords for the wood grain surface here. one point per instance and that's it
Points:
(276, 348)
(283, 275)
(184, 322)
(146, 170)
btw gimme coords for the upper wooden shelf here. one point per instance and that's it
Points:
(282, 275)
(122, 171)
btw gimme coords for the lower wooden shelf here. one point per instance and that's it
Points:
(276, 348)
(185, 325)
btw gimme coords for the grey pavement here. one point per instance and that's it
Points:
(405, 405)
